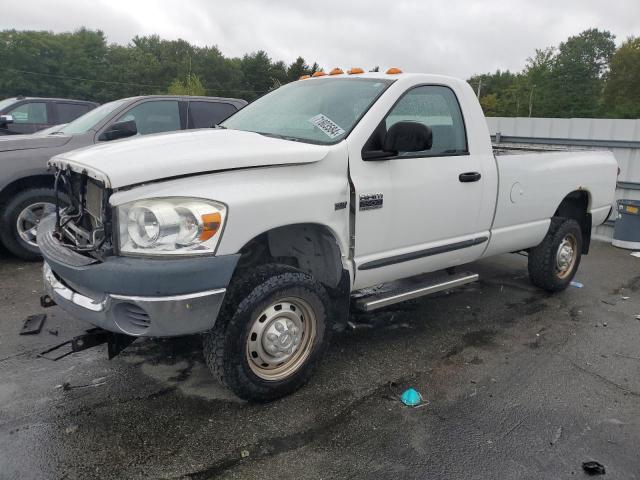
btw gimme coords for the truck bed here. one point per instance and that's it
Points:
(510, 148)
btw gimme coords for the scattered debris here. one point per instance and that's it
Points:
(556, 436)
(626, 298)
(604, 324)
(33, 324)
(593, 468)
(53, 331)
(637, 317)
(411, 398)
(576, 284)
(355, 326)
(635, 254)
(244, 453)
(608, 302)
(71, 429)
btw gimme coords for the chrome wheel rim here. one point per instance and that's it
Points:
(29, 219)
(281, 338)
(566, 256)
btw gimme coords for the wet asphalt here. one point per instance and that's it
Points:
(517, 383)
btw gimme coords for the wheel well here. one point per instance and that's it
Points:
(576, 206)
(34, 181)
(310, 247)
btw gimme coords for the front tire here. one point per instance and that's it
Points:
(553, 263)
(270, 334)
(20, 219)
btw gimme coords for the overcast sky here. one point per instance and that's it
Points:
(453, 37)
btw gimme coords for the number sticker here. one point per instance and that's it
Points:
(328, 126)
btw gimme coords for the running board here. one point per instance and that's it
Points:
(410, 288)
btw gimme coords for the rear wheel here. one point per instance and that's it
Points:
(553, 263)
(20, 219)
(271, 333)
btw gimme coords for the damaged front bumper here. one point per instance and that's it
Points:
(136, 296)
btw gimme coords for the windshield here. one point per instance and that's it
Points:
(6, 102)
(322, 110)
(90, 119)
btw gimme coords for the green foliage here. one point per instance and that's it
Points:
(621, 97)
(82, 65)
(191, 86)
(568, 81)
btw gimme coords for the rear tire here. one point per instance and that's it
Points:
(553, 263)
(20, 218)
(271, 333)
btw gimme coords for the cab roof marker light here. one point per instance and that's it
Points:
(394, 71)
(304, 77)
(355, 71)
(336, 71)
(319, 74)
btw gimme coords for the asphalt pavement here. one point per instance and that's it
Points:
(517, 384)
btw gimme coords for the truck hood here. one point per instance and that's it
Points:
(28, 142)
(154, 157)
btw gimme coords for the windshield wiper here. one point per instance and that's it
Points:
(282, 137)
(218, 126)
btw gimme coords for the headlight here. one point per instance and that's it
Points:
(169, 226)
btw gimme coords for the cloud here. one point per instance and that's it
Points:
(455, 37)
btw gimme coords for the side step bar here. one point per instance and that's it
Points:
(413, 288)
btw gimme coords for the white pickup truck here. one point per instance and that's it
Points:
(263, 232)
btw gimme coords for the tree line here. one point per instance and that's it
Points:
(585, 76)
(83, 65)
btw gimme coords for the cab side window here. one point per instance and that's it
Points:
(30, 113)
(436, 107)
(154, 117)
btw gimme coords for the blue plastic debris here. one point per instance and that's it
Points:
(576, 284)
(411, 398)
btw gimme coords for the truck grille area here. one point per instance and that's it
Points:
(82, 219)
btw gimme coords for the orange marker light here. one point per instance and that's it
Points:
(336, 71)
(211, 225)
(319, 74)
(393, 71)
(304, 77)
(355, 70)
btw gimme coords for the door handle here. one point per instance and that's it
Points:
(469, 177)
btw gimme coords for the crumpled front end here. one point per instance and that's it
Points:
(135, 296)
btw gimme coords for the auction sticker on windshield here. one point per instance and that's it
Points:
(328, 126)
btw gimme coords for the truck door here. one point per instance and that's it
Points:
(417, 212)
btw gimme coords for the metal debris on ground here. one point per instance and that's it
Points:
(53, 331)
(576, 284)
(33, 324)
(593, 468)
(625, 298)
(556, 436)
(635, 254)
(411, 397)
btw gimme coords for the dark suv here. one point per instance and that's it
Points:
(26, 186)
(22, 115)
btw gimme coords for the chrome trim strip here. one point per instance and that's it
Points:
(173, 298)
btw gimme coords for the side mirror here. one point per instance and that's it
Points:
(402, 137)
(6, 119)
(120, 130)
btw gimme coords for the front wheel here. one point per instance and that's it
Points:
(553, 263)
(270, 334)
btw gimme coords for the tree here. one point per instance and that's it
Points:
(297, 69)
(82, 65)
(621, 97)
(577, 73)
(191, 86)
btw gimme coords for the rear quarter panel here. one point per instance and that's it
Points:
(532, 186)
